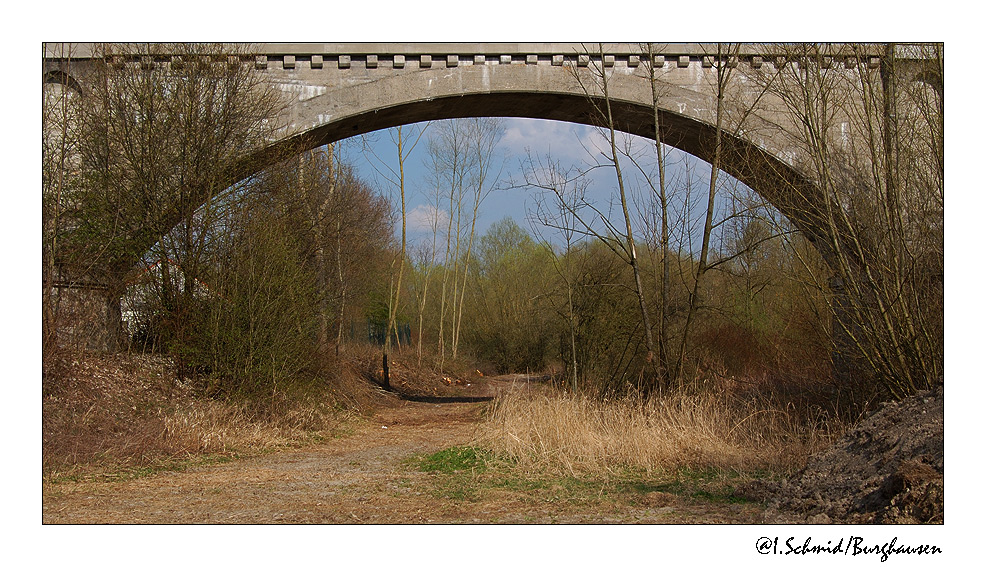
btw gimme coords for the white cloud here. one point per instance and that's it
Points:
(560, 139)
(567, 143)
(423, 218)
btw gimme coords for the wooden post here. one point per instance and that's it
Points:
(386, 373)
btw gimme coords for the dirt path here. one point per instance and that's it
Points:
(359, 478)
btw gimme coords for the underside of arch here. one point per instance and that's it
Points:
(58, 77)
(780, 184)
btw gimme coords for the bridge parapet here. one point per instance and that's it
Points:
(287, 56)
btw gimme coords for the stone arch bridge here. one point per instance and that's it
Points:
(341, 90)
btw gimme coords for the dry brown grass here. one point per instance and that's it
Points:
(570, 434)
(103, 411)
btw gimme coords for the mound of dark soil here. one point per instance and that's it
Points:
(888, 470)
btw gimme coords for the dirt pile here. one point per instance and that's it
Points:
(888, 470)
(422, 381)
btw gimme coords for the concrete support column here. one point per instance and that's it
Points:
(86, 315)
(844, 351)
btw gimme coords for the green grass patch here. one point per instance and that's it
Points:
(474, 474)
(453, 460)
(471, 473)
(709, 484)
(461, 472)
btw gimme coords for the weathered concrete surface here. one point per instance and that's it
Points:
(87, 317)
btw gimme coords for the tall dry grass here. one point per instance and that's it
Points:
(111, 411)
(573, 434)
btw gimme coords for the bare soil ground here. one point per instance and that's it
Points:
(366, 477)
(890, 469)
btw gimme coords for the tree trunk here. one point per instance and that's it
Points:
(646, 384)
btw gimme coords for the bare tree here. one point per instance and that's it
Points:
(317, 197)
(465, 167)
(549, 174)
(665, 247)
(484, 135)
(155, 129)
(871, 139)
(397, 178)
(595, 84)
(723, 74)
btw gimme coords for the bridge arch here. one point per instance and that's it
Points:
(342, 90)
(327, 104)
(550, 93)
(59, 77)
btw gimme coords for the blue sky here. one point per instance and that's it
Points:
(561, 138)
(572, 145)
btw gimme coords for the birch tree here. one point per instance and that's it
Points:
(465, 166)
(401, 137)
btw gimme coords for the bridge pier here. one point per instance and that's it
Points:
(84, 315)
(844, 352)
